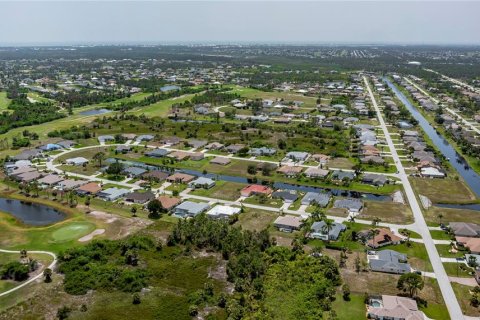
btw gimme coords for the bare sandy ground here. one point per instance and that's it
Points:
(92, 234)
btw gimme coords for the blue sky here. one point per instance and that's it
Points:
(407, 22)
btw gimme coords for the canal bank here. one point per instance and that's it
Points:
(471, 178)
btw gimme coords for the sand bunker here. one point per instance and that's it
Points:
(90, 236)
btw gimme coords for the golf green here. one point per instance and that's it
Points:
(72, 231)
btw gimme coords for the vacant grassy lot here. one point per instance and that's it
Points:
(458, 270)
(441, 235)
(269, 202)
(254, 219)
(224, 190)
(387, 212)
(308, 102)
(463, 295)
(353, 309)
(443, 190)
(444, 251)
(450, 215)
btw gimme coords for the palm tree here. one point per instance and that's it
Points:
(47, 274)
(440, 216)
(327, 227)
(35, 188)
(376, 221)
(99, 157)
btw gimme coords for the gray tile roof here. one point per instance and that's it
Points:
(321, 199)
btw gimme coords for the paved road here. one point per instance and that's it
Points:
(442, 278)
(51, 266)
(460, 83)
(454, 113)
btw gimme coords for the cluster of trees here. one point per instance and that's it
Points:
(260, 270)
(215, 97)
(85, 97)
(72, 133)
(15, 271)
(106, 264)
(27, 114)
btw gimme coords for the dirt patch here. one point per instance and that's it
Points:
(92, 234)
(119, 227)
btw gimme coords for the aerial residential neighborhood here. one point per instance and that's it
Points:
(173, 160)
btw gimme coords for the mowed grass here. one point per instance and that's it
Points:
(308, 102)
(348, 310)
(73, 231)
(387, 211)
(443, 190)
(463, 295)
(223, 190)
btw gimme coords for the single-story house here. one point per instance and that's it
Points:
(288, 196)
(394, 307)
(197, 156)
(321, 199)
(383, 237)
(389, 261)
(145, 137)
(50, 147)
(465, 229)
(472, 244)
(341, 175)
(49, 180)
(157, 153)
(321, 158)
(139, 197)
(202, 182)
(316, 173)
(67, 144)
(69, 184)
(196, 143)
(179, 177)
(297, 156)
(29, 154)
(319, 230)
(179, 155)
(254, 189)
(222, 211)
(89, 188)
(214, 146)
(431, 172)
(374, 179)
(288, 223)
(155, 175)
(223, 161)
(20, 170)
(134, 172)
(28, 176)
(168, 203)
(290, 171)
(112, 194)
(123, 149)
(77, 161)
(234, 148)
(263, 151)
(351, 204)
(105, 138)
(190, 209)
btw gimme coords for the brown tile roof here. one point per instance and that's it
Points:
(168, 202)
(91, 187)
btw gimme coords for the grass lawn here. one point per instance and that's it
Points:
(269, 202)
(387, 212)
(443, 190)
(224, 190)
(458, 269)
(441, 235)
(254, 219)
(463, 295)
(347, 310)
(177, 187)
(443, 251)
(413, 234)
(341, 163)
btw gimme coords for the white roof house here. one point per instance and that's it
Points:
(78, 161)
(222, 211)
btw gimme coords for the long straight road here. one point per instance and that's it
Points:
(443, 281)
(453, 112)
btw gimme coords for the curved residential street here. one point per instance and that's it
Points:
(443, 281)
(51, 266)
